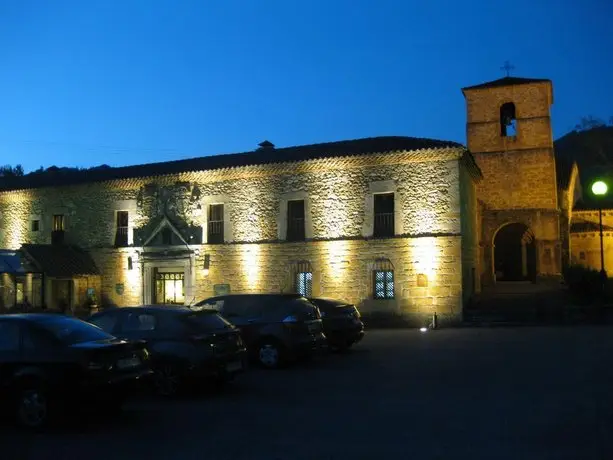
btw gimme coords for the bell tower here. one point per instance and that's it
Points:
(509, 133)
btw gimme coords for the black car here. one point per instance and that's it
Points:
(185, 346)
(342, 322)
(50, 362)
(277, 328)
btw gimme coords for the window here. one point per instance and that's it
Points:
(383, 282)
(58, 223)
(35, 225)
(295, 220)
(70, 331)
(57, 229)
(121, 232)
(383, 215)
(9, 336)
(105, 322)
(508, 122)
(35, 339)
(304, 284)
(215, 224)
(139, 322)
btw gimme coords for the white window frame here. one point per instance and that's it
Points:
(205, 202)
(376, 188)
(282, 216)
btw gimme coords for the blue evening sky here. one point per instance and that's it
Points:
(86, 82)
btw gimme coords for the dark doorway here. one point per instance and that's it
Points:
(515, 253)
(61, 294)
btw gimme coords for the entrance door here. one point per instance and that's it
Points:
(515, 253)
(61, 293)
(169, 288)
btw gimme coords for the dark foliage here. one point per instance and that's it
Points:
(585, 284)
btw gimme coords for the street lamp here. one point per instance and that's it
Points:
(599, 189)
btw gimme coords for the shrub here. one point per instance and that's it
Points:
(584, 284)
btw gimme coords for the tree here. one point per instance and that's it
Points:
(590, 122)
(10, 171)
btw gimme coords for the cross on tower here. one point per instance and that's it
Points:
(507, 67)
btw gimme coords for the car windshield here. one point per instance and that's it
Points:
(209, 320)
(71, 331)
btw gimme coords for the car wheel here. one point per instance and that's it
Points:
(166, 379)
(270, 354)
(32, 406)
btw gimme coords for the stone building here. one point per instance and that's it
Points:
(388, 223)
(395, 224)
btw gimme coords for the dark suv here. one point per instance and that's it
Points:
(342, 322)
(277, 328)
(185, 346)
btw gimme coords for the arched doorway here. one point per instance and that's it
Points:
(515, 253)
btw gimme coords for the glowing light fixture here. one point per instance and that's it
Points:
(423, 329)
(599, 188)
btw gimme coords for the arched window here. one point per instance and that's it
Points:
(508, 121)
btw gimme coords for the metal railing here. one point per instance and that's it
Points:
(384, 224)
(121, 237)
(215, 232)
(295, 229)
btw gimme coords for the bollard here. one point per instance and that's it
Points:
(434, 323)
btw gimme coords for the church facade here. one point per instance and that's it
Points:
(394, 224)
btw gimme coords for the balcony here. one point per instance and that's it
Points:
(215, 232)
(384, 225)
(121, 237)
(295, 229)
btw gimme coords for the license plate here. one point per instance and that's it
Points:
(234, 366)
(128, 362)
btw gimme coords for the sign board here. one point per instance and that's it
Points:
(119, 288)
(221, 289)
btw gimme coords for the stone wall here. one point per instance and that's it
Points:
(427, 195)
(585, 246)
(532, 102)
(339, 194)
(519, 172)
(341, 269)
(470, 235)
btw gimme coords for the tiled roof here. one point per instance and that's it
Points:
(587, 226)
(267, 155)
(507, 81)
(60, 260)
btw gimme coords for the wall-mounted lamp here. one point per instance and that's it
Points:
(207, 264)
(422, 280)
(130, 266)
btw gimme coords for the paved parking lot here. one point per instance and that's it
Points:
(525, 393)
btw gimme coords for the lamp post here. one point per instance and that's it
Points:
(599, 189)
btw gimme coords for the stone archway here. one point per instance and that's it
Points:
(515, 253)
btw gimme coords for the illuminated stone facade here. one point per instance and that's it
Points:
(525, 201)
(168, 219)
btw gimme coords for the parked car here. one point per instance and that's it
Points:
(277, 328)
(342, 322)
(186, 347)
(49, 362)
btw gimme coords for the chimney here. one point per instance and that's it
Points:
(266, 145)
